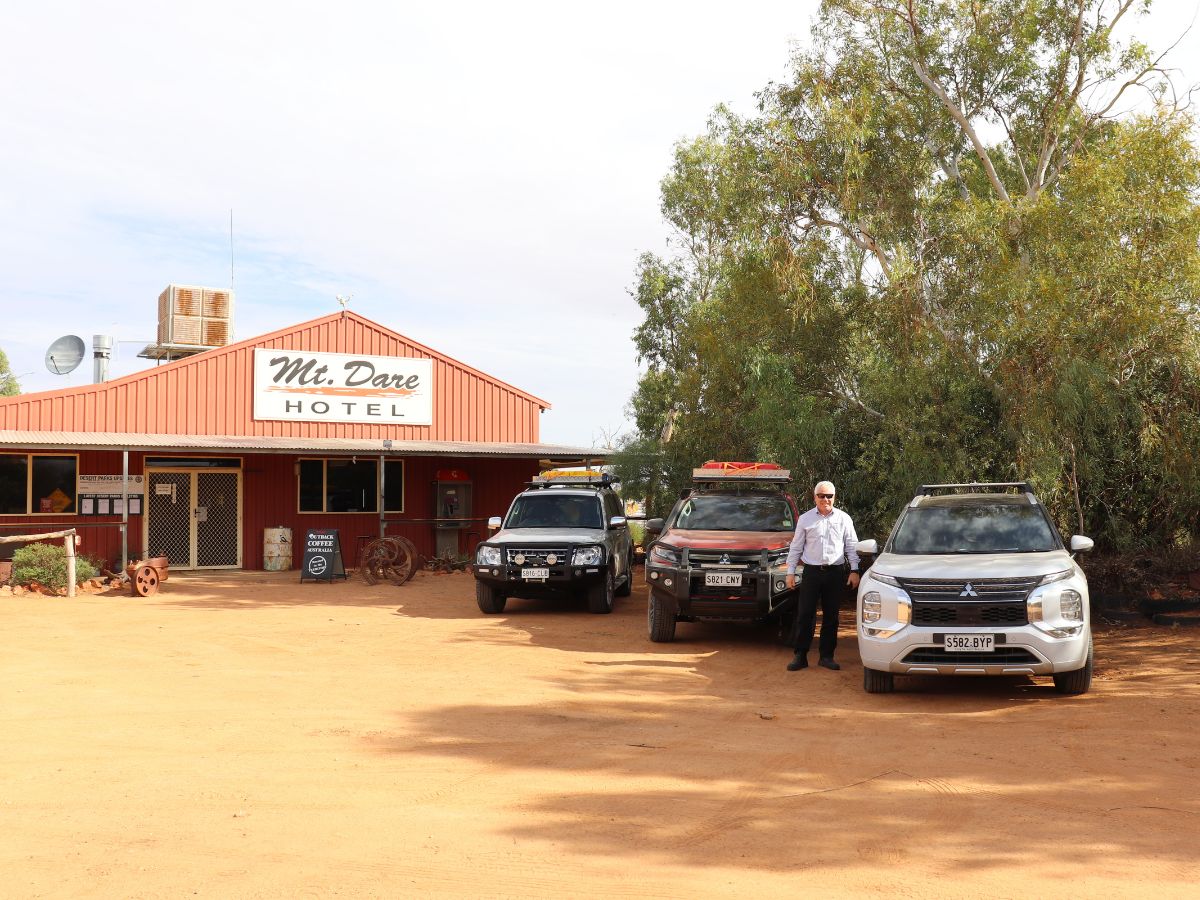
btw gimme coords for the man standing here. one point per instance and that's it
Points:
(824, 544)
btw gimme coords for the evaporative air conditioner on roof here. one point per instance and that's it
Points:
(190, 316)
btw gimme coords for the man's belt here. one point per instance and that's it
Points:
(829, 568)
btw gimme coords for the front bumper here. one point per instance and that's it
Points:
(509, 578)
(1033, 633)
(916, 650)
(685, 588)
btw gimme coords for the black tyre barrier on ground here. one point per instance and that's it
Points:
(1182, 621)
(1169, 605)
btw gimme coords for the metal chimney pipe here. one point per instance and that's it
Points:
(101, 352)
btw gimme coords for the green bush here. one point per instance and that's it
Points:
(47, 565)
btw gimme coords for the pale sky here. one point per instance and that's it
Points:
(480, 177)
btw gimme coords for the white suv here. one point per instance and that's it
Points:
(975, 580)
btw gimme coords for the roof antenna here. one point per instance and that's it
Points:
(231, 248)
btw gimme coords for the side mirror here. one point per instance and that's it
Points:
(616, 522)
(1081, 544)
(494, 523)
(870, 547)
(654, 526)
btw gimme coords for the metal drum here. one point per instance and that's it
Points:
(277, 549)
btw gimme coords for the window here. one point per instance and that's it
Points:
(612, 507)
(975, 528)
(553, 510)
(735, 512)
(37, 484)
(349, 485)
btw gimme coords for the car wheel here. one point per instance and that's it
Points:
(1076, 682)
(600, 596)
(876, 682)
(626, 587)
(661, 620)
(490, 600)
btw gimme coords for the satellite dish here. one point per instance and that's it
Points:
(65, 354)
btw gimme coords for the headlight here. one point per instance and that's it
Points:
(666, 555)
(488, 556)
(884, 579)
(1057, 576)
(1070, 604)
(587, 556)
(872, 607)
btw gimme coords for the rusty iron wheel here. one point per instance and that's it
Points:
(145, 581)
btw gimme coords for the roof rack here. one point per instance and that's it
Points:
(574, 479)
(740, 473)
(928, 489)
(986, 487)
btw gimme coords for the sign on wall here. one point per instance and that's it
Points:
(101, 495)
(299, 386)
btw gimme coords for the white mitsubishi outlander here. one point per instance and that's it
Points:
(975, 580)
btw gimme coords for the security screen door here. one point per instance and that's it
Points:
(192, 518)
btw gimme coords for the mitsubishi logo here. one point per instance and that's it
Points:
(724, 559)
(969, 591)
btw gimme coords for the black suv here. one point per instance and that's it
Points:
(564, 536)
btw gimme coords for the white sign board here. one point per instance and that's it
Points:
(109, 484)
(298, 386)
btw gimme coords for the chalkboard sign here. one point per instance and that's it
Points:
(322, 555)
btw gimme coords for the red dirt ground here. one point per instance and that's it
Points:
(244, 735)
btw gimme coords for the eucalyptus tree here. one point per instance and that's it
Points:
(944, 248)
(9, 386)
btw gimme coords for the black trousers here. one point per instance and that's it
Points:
(824, 586)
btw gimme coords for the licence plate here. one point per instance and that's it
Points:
(535, 574)
(723, 579)
(970, 643)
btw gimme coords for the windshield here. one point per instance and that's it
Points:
(984, 528)
(546, 510)
(735, 513)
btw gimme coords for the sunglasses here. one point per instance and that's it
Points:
(825, 496)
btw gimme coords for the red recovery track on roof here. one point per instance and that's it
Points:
(749, 471)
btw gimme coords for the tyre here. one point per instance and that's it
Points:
(876, 682)
(489, 599)
(661, 620)
(600, 596)
(1076, 682)
(626, 587)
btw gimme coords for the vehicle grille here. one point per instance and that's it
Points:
(1001, 656)
(996, 601)
(536, 556)
(731, 560)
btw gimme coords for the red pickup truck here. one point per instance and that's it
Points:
(721, 554)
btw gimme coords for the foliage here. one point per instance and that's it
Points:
(9, 386)
(46, 564)
(937, 254)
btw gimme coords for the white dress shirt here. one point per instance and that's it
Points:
(823, 540)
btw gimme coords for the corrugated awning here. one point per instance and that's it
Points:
(81, 440)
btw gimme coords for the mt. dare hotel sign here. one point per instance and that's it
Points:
(342, 387)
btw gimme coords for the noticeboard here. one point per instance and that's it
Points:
(322, 555)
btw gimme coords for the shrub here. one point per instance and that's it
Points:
(47, 564)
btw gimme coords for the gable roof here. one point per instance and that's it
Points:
(212, 393)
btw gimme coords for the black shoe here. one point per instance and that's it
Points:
(829, 662)
(799, 661)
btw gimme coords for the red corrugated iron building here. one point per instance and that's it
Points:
(309, 427)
